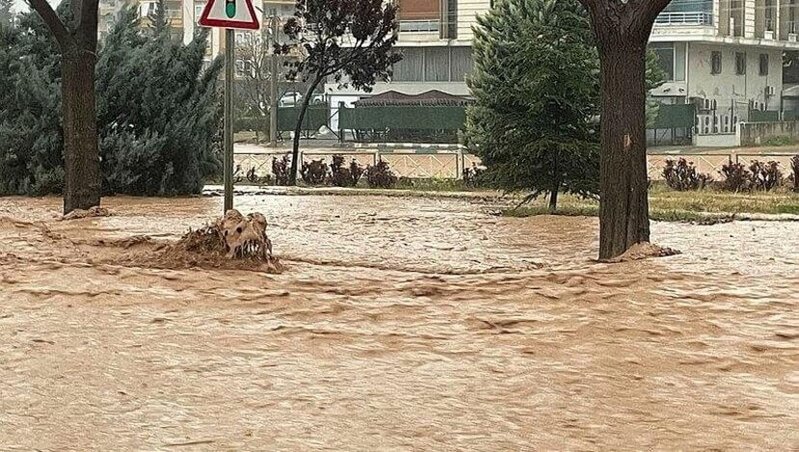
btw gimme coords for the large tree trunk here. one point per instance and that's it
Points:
(622, 30)
(78, 57)
(81, 148)
(624, 205)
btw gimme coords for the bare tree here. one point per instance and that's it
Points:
(254, 51)
(622, 28)
(78, 44)
(319, 28)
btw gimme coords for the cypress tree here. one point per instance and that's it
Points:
(536, 88)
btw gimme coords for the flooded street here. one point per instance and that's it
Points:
(399, 324)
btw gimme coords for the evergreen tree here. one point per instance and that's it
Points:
(536, 89)
(31, 140)
(159, 112)
(6, 14)
(536, 85)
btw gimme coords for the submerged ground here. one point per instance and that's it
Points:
(399, 324)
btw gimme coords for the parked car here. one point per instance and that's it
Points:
(293, 98)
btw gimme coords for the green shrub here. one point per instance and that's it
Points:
(778, 141)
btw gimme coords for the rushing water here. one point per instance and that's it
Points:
(399, 324)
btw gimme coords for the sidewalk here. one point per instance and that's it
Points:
(695, 150)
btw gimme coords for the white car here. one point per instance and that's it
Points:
(293, 98)
(290, 99)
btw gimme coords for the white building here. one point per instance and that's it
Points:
(723, 55)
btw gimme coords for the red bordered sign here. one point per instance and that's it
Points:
(238, 14)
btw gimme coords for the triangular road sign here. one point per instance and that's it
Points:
(229, 14)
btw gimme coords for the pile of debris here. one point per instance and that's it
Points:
(232, 242)
(644, 250)
(93, 212)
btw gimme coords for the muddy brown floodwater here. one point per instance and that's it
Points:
(399, 324)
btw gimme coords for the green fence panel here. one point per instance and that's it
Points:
(675, 116)
(412, 117)
(790, 115)
(763, 116)
(316, 117)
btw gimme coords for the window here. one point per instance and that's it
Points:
(436, 64)
(665, 55)
(740, 63)
(433, 64)
(769, 15)
(462, 63)
(715, 64)
(764, 64)
(411, 67)
(737, 17)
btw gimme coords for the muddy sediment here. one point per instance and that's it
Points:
(401, 324)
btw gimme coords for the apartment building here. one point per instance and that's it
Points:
(435, 39)
(723, 55)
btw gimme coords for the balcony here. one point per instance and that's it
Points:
(420, 26)
(699, 18)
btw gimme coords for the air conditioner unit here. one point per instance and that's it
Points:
(768, 34)
(792, 37)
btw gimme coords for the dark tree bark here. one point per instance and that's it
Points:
(553, 195)
(295, 152)
(78, 104)
(622, 30)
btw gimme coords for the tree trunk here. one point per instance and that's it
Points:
(295, 154)
(624, 204)
(553, 200)
(553, 192)
(81, 148)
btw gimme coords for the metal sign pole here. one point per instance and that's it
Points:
(230, 63)
(273, 75)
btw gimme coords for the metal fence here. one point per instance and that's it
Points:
(424, 124)
(448, 162)
(439, 162)
(712, 163)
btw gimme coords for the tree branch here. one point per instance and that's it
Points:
(589, 5)
(88, 19)
(53, 22)
(653, 7)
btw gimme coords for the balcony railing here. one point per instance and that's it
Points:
(684, 18)
(420, 26)
(771, 24)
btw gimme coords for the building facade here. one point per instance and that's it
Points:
(725, 56)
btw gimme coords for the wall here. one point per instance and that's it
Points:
(467, 16)
(756, 133)
(729, 86)
(725, 140)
